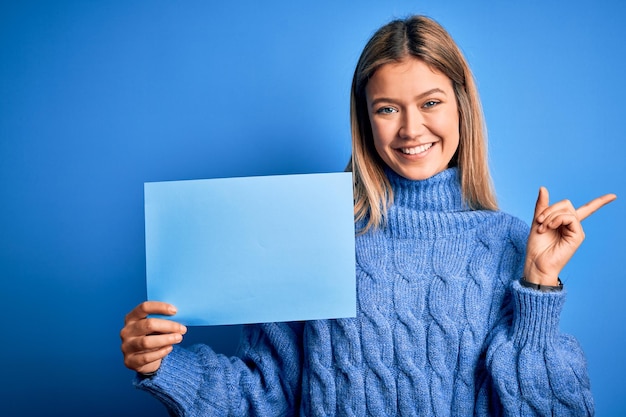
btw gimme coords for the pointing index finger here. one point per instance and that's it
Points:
(591, 207)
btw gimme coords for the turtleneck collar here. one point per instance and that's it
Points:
(429, 208)
(441, 192)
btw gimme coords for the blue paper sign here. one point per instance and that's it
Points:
(252, 250)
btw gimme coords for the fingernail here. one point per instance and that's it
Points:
(172, 309)
(183, 329)
(178, 337)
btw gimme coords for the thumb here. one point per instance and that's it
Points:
(543, 200)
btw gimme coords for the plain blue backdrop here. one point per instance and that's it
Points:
(97, 98)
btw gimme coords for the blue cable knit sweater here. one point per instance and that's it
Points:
(443, 329)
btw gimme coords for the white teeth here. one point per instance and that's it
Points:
(417, 149)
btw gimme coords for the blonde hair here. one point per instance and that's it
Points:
(424, 39)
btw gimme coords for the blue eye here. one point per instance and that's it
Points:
(430, 103)
(386, 110)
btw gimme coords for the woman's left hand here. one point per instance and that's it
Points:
(555, 235)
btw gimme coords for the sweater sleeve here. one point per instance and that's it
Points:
(262, 380)
(535, 369)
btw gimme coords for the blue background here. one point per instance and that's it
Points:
(97, 98)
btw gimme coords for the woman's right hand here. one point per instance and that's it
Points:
(147, 340)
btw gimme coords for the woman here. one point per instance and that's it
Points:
(458, 303)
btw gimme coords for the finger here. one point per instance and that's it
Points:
(547, 217)
(151, 343)
(162, 326)
(155, 342)
(591, 207)
(555, 210)
(150, 307)
(151, 326)
(543, 200)
(139, 360)
(566, 220)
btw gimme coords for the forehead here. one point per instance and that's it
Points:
(408, 76)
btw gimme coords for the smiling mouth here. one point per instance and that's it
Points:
(417, 149)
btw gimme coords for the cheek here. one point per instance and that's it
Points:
(376, 133)
(448, 125)
(381, 133)
(380, 144)
(454, 134)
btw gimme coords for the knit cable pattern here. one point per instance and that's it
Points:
(443, 328)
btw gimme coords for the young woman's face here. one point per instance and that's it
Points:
(414, 118)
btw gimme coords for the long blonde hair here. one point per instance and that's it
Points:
(422, 38)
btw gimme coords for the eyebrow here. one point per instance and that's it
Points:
(418, 97)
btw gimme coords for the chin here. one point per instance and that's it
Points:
(418, 175)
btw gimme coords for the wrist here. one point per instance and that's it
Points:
(541, 287)
(146, 375)
(149, 370)
(534, 275)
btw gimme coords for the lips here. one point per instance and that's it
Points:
(416, 150)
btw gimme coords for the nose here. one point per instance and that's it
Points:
(413, 124)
